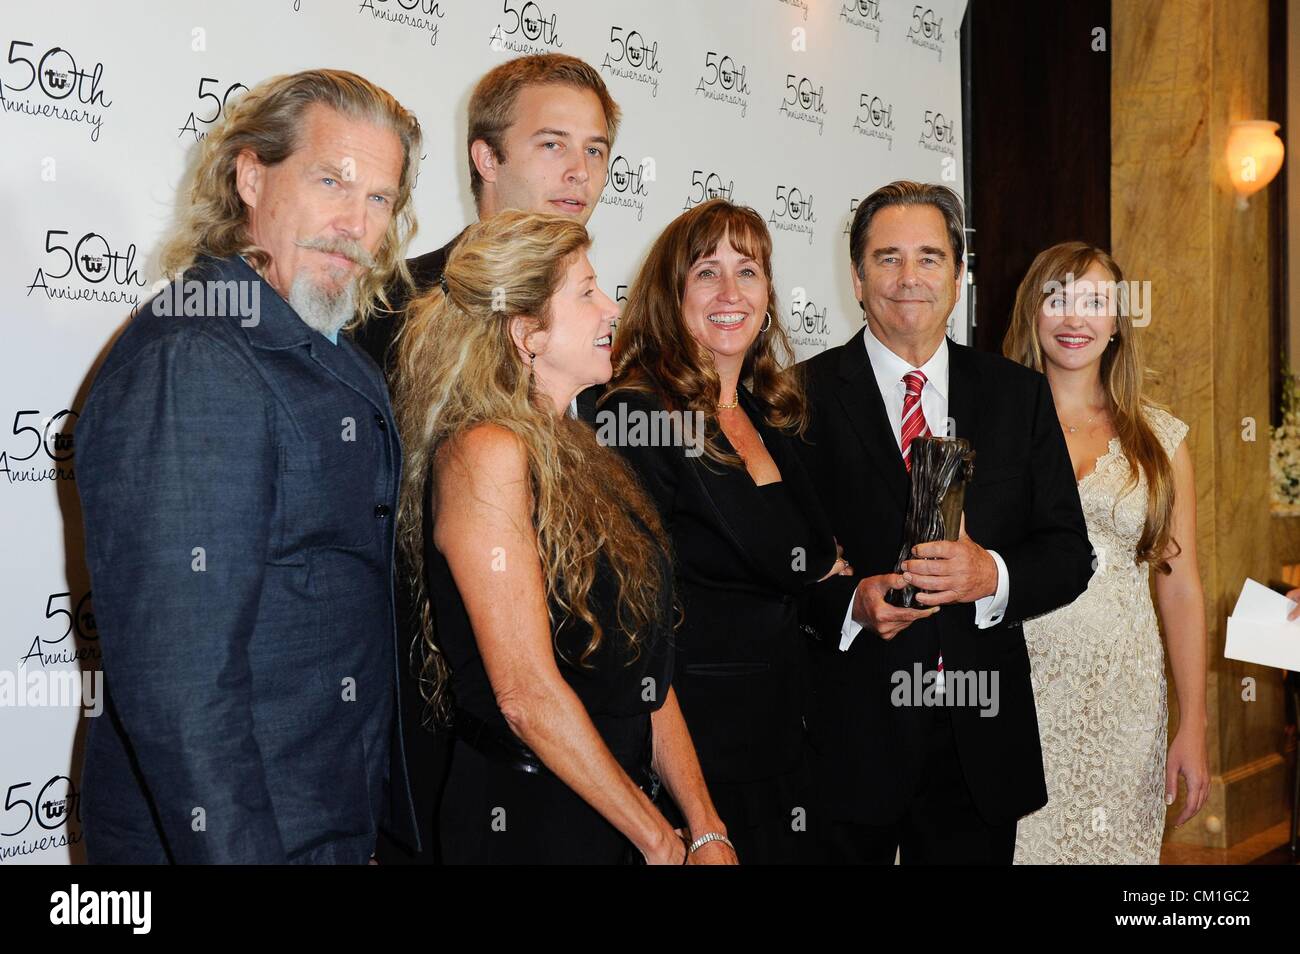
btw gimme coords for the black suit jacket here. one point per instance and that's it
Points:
(742, 668)
(376, 335)
(1023, 502)
(426, 752)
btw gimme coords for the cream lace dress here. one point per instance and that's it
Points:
(1099, 686)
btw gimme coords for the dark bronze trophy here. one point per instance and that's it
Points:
(941, 468)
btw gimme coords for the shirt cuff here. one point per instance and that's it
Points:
(989, 610)
(849, 631)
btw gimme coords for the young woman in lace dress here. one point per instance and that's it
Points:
(1098, 664)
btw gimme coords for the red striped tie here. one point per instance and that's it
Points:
(914, 426)
(914, 423)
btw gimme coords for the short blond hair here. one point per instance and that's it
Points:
(492, 104)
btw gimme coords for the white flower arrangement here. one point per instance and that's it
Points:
(1284, 456)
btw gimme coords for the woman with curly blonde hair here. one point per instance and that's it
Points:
(541, 568)
(701, 349)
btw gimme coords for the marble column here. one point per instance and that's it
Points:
(1182, 71)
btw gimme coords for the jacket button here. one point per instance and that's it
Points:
(379, 420)
(382, 510)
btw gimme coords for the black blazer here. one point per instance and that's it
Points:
(1023, 502)
(376, 335)
(741, 674)
(426, 752)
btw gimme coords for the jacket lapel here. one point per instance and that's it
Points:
(345, 362)
(963, 394)
(859, 396)
(739, 504)
(279, 328)
(734, 497)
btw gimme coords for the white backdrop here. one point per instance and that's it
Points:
(795, 107)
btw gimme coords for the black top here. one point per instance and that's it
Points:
(376, 336)
(745, 557)
(612, 683)
(426, 751)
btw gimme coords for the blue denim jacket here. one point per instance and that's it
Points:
(238, 477)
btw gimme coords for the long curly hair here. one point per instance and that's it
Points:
(655, 352)
(1122, 378)
(457, 367)
(268, 120)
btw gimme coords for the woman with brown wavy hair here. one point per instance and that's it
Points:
(541, 567)
(1097, 664)
(703, 408)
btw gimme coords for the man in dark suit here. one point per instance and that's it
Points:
(238, 476)
(924, 719)
(539, 137)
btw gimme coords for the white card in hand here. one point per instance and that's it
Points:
(1258, 630)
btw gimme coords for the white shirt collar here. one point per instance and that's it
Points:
(889, 368)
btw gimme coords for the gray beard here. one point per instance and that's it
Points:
(322, 310)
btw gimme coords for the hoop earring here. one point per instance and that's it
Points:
(767, 324)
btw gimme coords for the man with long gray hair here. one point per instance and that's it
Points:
(239, 475)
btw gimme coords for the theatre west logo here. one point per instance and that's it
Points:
(627, 187)
(39, 816)
(210, 107)
(52, 85)
(708, 185)
(49, 452)
(926, 30)
(629, 57)
(875, 119)
(525, 29)
(87, 267)
(804, 102)
(75, 906)
(792, 212)
(724, 81)
(863, 14)
(53, 647)
(808, 325)
(937, 133)
(419, 15)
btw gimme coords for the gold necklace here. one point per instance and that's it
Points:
(1074, 428)
(735, 401)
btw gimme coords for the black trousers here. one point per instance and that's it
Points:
(940, 824)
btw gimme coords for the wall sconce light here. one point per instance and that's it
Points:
(1254, 156)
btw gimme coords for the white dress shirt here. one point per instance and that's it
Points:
(889, 371)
